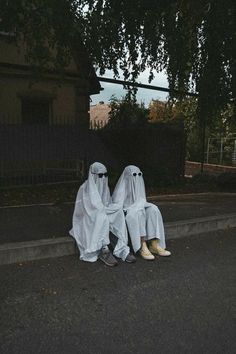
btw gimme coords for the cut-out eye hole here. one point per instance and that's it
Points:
(135, 174)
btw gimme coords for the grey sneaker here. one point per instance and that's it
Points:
(106, 257)
(130, 258)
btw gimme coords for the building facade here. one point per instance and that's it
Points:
(49, 98)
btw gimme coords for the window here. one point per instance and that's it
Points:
(35, 110)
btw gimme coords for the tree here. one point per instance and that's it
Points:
(185, 111)
(157, 111)
(47, 29)
(126, 113)
(193, 41)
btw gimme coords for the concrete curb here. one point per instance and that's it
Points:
(64, 246)
(196, 226)
(38, 249)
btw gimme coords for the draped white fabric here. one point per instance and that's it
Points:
(142, 218)
(95, 215)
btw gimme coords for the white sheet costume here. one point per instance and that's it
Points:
(95, 215)
(142, 218)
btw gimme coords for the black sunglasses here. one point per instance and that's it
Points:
(100, 175)
(135, 174)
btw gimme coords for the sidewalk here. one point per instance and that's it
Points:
(35, 222)
(47, 225)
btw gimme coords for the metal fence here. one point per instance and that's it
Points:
(40, 154)
(97, 124)
(221, 151)
(58, 151)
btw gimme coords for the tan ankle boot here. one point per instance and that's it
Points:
(156, 249)
(145, 253)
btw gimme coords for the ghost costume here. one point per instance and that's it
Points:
(95, 216)
(143, 219)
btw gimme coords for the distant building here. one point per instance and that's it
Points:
(23, 100)
(99, 114)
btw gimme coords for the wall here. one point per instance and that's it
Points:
(63, 98)
(10, 53)
(194, 168)
(69, 97)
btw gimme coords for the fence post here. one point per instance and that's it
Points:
(203, 142)
(208, 147)
(234, 154)
(221, 150)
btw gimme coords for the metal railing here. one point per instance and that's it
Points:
(35, 154)
(97, 124)
(221, 151)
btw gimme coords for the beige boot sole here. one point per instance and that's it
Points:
(161, 253)
(147, 256)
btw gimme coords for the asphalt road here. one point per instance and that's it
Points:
(48, 221)
(183, 304)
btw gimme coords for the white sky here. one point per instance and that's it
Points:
(143, 95)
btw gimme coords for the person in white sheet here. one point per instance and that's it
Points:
(94, 216)
(143, 219)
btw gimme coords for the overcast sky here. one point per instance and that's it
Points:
(143, 95)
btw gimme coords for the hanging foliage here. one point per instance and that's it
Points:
(192, 41)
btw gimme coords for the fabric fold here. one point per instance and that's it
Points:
(95, 216)
(143, 219)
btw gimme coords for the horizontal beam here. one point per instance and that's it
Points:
(148, 87)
